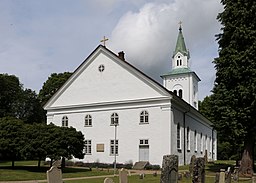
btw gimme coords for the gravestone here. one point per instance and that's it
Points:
(228, 175)
(192, 164)
(222, 176)
(169, 169)
(254, 178)
(236, 174)
(54, 175)
(205, 156)
(199, 171)
(123, 176)
(108, 180)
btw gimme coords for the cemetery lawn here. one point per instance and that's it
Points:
(27, 170)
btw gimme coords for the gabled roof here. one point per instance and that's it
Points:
(180, 45)
(102, 49)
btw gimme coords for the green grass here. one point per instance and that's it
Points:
(27, 170)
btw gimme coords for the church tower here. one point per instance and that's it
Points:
(181, 80)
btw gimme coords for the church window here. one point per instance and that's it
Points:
(180, 93)
(113, 147)
(101, 68)
(178, 56)
(114, 119)
(178, 137)
(175, 92)
(206, 142)
(88, 120)
(188, 139)
(195, 141)
(202, 142)
(88, 147)
(177, 62)
(144, 117)
(144, 142)
(180, 62)
(65, 121)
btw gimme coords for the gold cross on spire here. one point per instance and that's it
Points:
(104, 40)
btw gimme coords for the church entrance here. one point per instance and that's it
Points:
(144, 150)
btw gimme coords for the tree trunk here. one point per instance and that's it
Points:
(51, 162)
(39, 162)
(246, 167)
(63, 163)
(12, 163)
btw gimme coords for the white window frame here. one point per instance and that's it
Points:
(178, 137)
(188, 139)
(88, 147)
(64, 121)
(88, 120)
(195, 141)
(202, 143)
(114, 119)
(113, 148)
(144, 117)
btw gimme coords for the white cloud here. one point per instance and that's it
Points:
(149, 36)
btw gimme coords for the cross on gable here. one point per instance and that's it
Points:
(104, 40)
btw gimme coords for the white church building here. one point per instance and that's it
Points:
(127, 116)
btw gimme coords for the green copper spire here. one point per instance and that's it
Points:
(180, 45)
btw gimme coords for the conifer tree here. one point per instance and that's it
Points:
(234, 93)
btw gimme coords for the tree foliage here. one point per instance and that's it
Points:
(234, 93)
(38, 141)
(17, 102)
(52, 85)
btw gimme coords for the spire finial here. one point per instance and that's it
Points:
(180, 22)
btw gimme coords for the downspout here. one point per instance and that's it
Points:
(184, 129)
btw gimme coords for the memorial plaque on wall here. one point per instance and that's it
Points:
(100, 147)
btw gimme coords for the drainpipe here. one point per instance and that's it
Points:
(184, 126)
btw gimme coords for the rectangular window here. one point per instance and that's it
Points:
(202, 143)
(188, 139)
(195, 141)
(144, 142)
(88, 147)
(178, 137)
(113, 148)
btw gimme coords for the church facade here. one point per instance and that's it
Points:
(127, 117)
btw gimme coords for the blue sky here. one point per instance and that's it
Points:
(40, 37)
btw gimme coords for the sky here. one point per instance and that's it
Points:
(40, 37)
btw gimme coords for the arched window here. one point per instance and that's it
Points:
(188, 139)
(144, 117)
(195, 141)
(177, 62)
(114, 119)
(178, 137)
(180, 62)
(180, 93)
(175, 92)
(88, 120)
(65, 121)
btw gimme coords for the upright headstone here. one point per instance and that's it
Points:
(169, 169)
(108, 180)
(222, 176)
(205, 156)
(54, 175)
(123, 176)
(228, 175)
(192, 164)
(236, 174)
(199, 171)
(254, 178)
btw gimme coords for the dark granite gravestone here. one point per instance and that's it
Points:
(199, 171)
(169, 169)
